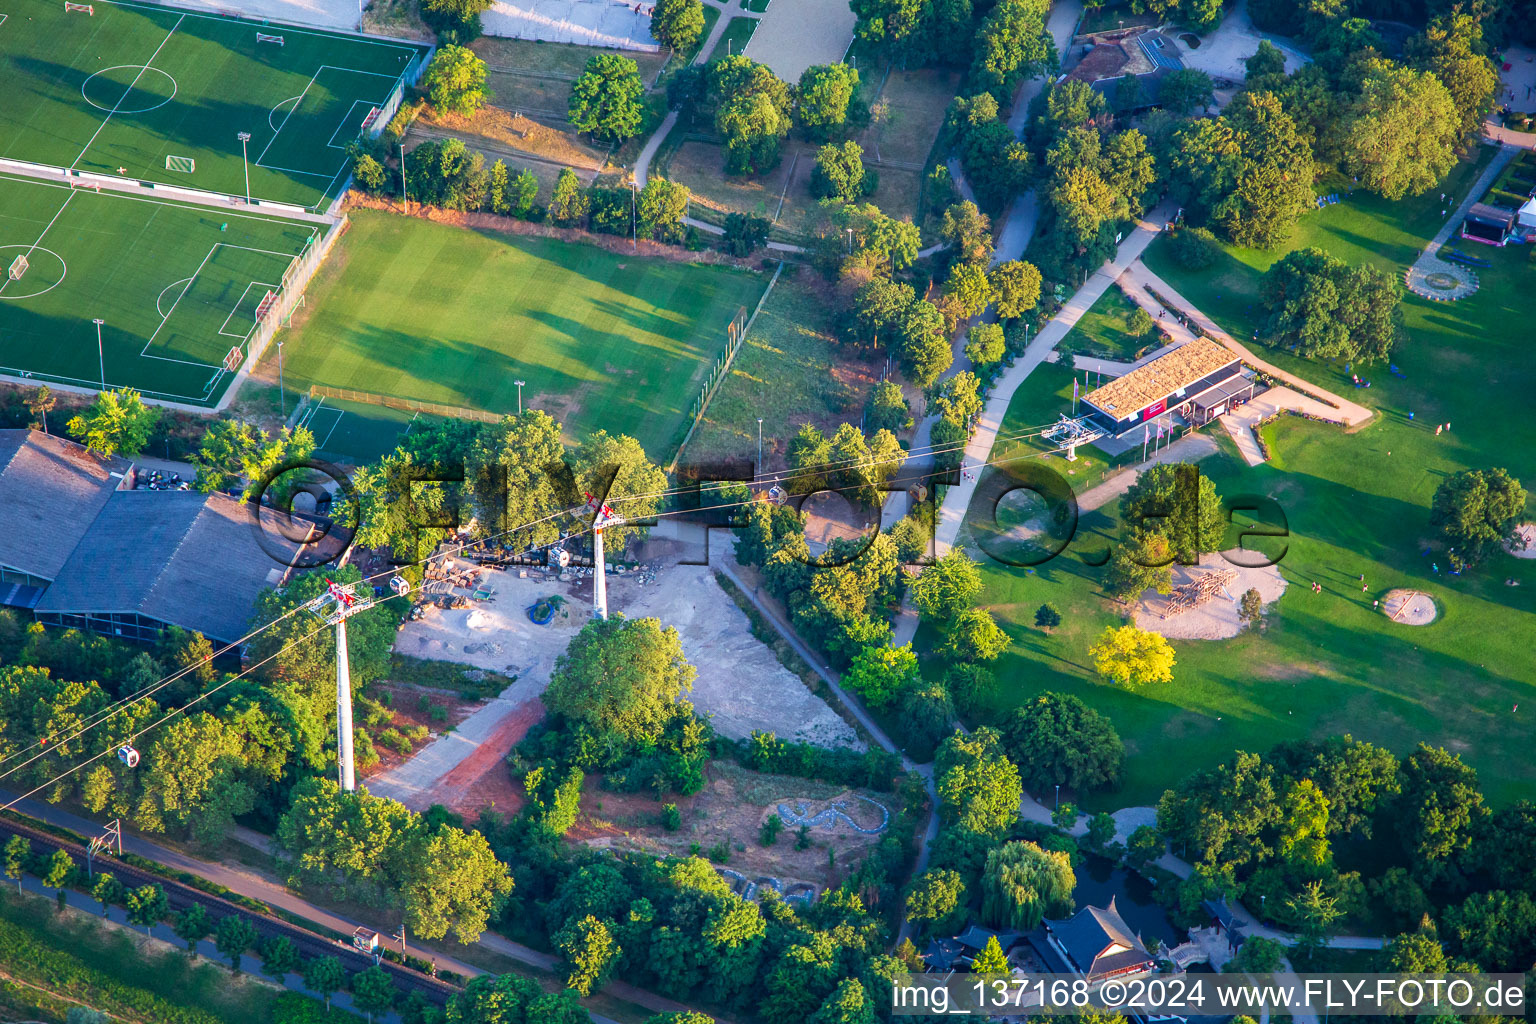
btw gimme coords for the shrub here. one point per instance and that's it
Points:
(671, 817)
(772, 826)
(1194, 248)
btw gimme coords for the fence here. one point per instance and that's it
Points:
(408, 404)
(409, 77)
(737, 333)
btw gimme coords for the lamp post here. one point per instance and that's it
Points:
(282, 396)
(519, 384)
(405, 194)
(759, 446)
(245, 159)
(850, 241)
(100, 356)
(1058, 796)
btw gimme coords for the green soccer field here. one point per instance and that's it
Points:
(603, 340)
(161, 95)
(176, 286)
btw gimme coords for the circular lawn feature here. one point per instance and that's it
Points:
(1409, 607)
(128, 89)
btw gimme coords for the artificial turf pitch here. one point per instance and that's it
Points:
(121, 89)
(176, 285)
(603, 340)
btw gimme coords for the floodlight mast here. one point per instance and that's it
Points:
(335, 606)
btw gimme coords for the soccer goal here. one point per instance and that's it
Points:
(265, 306)
(233, 360)
(266, 37)
(373, 115)
(184, 164)
(87, 8)
(18, 267)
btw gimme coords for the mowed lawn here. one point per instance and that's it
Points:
(413, 309)
(1329, 664)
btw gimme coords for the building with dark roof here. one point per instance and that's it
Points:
(155, 559)
(1490, 224)
(51, 491)
(80, 548)
(1098, 944)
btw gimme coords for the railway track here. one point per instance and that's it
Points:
(180, 895)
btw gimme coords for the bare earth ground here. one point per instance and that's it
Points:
(521, 135)
(741, 685)
(731, 809)
(1524, 543)
(1218, 618)
(1409, 607)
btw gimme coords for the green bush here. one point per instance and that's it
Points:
(1194, 248)
(671, 817)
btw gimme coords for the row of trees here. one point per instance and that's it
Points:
(1001, 44)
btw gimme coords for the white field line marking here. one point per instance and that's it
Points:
(33, 247)
(323, 67)
(233, 214)
(238, 302)
(340, 415)
(344, 121)
(128, 90)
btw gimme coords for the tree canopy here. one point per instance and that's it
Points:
(605, 100)
(623, 677)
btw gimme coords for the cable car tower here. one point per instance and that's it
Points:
(603, 518)
(335, 606)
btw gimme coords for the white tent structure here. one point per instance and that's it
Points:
(1525, 218)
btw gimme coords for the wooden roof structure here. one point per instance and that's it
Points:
(1166, 375)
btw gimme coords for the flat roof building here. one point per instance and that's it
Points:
(1200, 380)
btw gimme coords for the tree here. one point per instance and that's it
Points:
(325, 975)
(1023, 884)
(108, 891)
(279, 957)
(1451, 48)
(1011, 45)
(1251, 606)
(192, 925)
(974, 635)
(839, 173)
(978, 787)
(116, 422)
(996, 163)
(1047, 617)
(744, 234)
(1056, 739)
(40, 403)
(956, 399)
(234, 453)
(623, 677)
(751, 111)
(1015, 288)
(1257, 955)
(373, 991)
(59, 870)
(569, 203)
(678, 24)
(1084, 201)
(605, 100)
(933, 896)
(233, 936)
(1131, 657)
(1439, 809)
(1184, 90)
(881, 673)
(1314, 910)
(660, 210)
(847, 1004)
(922, 349)
(455, 81)
(146, 905)
(1323, 309)
(1140, 564)
(824, 96)
(947, 587)
(1194, 248)
(454, 884)
(455, 21)
(1402, 131)
(196, 779)
(590, 953)
(18, 850)
(1268, 59)
(1144, 844)
(991, 959)
(1176, 500)
(1496, 929)
(1101, 830)
(967, 231)
(966, 292)
(1064, 816)
(985, 344)
(889, 25)
(1476, 510)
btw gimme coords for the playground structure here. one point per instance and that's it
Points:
(1198, 591)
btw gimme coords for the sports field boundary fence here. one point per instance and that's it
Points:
(456, 412)
(387, 110)
(737, 332)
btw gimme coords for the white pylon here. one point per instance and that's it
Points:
(603, 517)
(346, 604)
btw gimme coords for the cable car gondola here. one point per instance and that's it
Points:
(128, 756)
